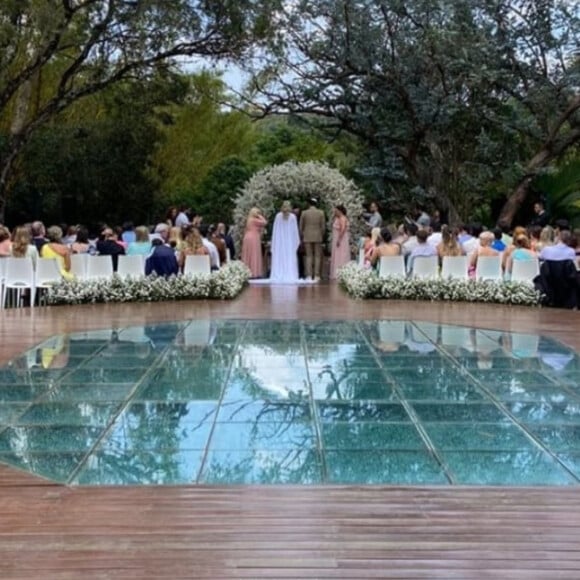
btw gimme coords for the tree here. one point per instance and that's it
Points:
(449, 96)
(85, 46)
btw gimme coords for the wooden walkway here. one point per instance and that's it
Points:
(50, 532)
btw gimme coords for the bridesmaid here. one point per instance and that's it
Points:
(340, 254)
(252, 242)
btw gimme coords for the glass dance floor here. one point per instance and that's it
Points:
(263, 402)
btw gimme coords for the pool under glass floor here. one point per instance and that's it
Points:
(288, 402)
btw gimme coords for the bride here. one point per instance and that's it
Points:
(285, 243)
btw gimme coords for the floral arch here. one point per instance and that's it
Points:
(298, 182)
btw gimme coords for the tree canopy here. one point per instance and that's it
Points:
(449, 96)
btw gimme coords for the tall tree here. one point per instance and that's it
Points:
(447, 94)
(88, 45)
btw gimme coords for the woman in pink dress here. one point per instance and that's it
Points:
(340, 254)
(252, 242)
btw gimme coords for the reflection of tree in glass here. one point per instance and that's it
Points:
(243, 380)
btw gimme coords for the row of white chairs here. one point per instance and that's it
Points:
(86, 267)
(457, 267)
(19, 274)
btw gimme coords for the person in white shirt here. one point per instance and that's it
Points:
(411, 242)
(423, 250)
(182, 220)
(214, 256)
(560, 251)
(435, 238)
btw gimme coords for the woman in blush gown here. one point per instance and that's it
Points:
(340, 254)
(252, 242)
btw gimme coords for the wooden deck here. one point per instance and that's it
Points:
(50, 532)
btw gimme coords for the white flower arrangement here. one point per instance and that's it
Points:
(225, 284)
(364, 283)
(298, 182)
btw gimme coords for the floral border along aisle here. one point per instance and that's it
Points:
(364, 284)
(225, 284)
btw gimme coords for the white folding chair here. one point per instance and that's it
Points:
(99, 267)
(228, 255)
(425, 267)
(525, 270)
(392, 266)
(78, 265)
(47, 273)
(488, 268)
(19, 275)
(454, 267)
(361, 258)
(131, 266)
(196, 265)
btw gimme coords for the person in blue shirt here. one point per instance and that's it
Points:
(498, 244)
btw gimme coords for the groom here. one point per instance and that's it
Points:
(312, 229)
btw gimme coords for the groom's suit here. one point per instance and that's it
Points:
(312, 229)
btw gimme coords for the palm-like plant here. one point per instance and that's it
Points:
(562, 190)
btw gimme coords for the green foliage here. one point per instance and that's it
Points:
(454, 99)
(561, 187)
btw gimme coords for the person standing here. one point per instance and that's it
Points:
(252, 242)
(312, 229)
(285, 242)
(340, 253)
(374, 217)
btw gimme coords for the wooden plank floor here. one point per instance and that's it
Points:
(51, 532)
(334, 532)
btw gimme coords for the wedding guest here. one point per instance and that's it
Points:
(340, 251)
(411, 242)
(472, 244)
(547, 238)
(22, 246)
(518, 231)
(386, 247)
(541, 217)
(108, 245)
(561, 251)
(423, 249)
(38, 233)
(142, 245)
(5, 242)
(522, 251)
(81, 245)
(214, 256)
(371, 243)
(220, 244)
(192, 246)
(498, 244)
(54, 248)
(534, 235)
(128, 235)
(171, 216)
(252, 242)
(162, 260)
(227, 238)
(374, 218)
(175, 239)
(71, 235)
(449, 245)
(181, 219)
(485, 241)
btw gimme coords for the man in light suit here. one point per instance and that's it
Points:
(312, 230)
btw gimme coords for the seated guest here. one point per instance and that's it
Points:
(175, 239)
(81, 245)
(227, 238)
(128, 234)
(193, 246)
(560, 251)
(472, 244)
(371, 242)
(484, 249)
(108, 246)
(436, 235)
(498, 244)
(411, 243)
(218, 243)
(214, 256)
(22, 246)
(141, 246)
(71, 235)
(423, 249)
(535, 233)
(386, 247)
(5, 242)
(547, 238)
(449, 244)
(518, 231)
(522, 251)
(38, 233)
(54, 248)
(162, 260)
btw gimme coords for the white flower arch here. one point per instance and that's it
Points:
(298, 182)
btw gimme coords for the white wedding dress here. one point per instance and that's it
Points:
(284, 247)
